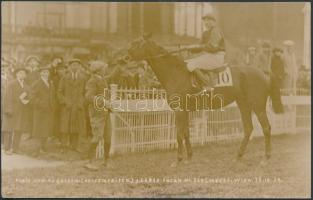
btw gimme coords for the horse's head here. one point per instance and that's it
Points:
(143, 48)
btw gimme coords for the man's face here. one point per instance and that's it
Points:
(278, 53)
(266, 50)
(252, 51)
(75, 66)
(33, 63)
(208, 23)
(21, 75)
(61, 71)
(56, 61)
(44, 74)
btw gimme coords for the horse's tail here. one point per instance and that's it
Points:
(275, 94)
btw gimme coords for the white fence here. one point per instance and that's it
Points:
(146, 130)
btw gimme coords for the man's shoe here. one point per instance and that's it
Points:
(8, 152)
(42, 151)
(92, 167)
(17, 152)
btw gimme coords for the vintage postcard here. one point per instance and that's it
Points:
(155, 99)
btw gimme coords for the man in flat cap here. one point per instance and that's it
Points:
(211, 51)
(70, 93)
(16, 98)
(98, 114)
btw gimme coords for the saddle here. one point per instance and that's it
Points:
(206, 79)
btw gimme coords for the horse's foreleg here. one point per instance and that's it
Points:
(179, 135)
(248, 127)
(266, 127)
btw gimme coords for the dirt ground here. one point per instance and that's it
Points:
(212, 173)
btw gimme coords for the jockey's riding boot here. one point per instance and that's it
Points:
(200, 76)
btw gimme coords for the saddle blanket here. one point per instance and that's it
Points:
(219, 77)
(223, 78)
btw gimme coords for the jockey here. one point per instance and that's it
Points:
(211, 50)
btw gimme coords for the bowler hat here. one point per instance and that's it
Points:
(277, 49)
(20, 69)
(208, 16)
(74, 60)
(266, 44)
(288, 43)
(44, 68)
(251, 48)
(29, 58)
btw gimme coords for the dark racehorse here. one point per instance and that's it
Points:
(251, 89)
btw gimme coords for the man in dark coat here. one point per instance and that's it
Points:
(16, 98)
(278, 65)
(6, 78)
(43, 98)
(70, 94)
(56, 73)
(264, 58)
(32, 65)
(98, 115)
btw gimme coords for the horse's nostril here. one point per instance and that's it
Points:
(127, 58)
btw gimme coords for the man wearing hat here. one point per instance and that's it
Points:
(16, 98)
(57, 71)
(98, 114)
(264, 58)
(251, 57)
(211, 51)
(70, 93)
(32, 65)
(277, 63)
(290, 66)
(43, 98)
(5, 79)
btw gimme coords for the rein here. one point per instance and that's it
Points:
(165, 54)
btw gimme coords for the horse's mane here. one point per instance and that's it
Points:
(161, 50)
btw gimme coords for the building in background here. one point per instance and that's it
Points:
(77, 28)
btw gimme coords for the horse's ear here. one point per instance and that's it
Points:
(147, 36)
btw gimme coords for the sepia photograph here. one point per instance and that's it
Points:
(155, 99)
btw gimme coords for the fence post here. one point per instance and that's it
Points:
(113, 138)
(113, 88)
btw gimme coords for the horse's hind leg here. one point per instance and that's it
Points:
(247, 126)
(181, 119)
(266, 127)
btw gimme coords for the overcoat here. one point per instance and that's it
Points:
(43, 98)
(15, 112)
(70, 94)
